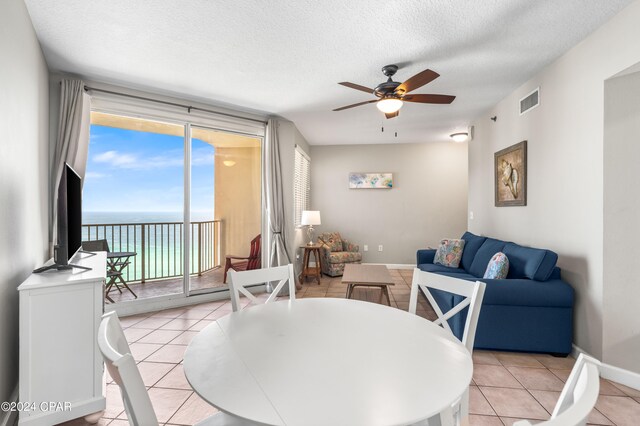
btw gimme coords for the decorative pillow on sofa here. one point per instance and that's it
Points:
(449, 253)
(333, 240)
(498, 267)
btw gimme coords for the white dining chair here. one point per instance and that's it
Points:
(240, 280)
(578, 396)
(473, 293)
(124, 371)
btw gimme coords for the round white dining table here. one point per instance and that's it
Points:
(327, 362)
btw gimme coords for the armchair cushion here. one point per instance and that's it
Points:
(344, 257)
(332, 240)
(349, 246)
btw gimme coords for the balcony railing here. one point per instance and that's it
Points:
(159, 247)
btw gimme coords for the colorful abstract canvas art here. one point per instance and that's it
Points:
(371, 180)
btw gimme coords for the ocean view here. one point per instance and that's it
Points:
(95, 217)
(157, 240)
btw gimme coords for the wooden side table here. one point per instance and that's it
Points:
(308, 271)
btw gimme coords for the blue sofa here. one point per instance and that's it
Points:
(529, 311)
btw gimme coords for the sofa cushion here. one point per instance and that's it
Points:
(527, 262)
(471, 246)
(333, 240)
(486, 251)
(449, 253)
(434, 267)
(498, 267)
(525, 292)
(344, 257)
(444, 270)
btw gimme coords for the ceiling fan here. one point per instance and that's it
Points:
(391, 94)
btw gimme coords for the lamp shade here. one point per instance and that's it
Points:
(310, 217)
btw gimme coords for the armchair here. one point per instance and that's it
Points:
(238, 263)
(336, 252)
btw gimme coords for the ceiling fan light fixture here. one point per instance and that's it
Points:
(460, 137)
(389, 105)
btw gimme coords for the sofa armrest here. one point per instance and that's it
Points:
(349, 246)
(425, 256)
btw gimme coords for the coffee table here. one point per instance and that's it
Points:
(358, 275)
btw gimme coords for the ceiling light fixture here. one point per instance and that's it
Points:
(389, 105)
(229, 163)
(460, 137)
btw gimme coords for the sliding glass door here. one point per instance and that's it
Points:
(133, 197)
(178, 198)
(225, 204)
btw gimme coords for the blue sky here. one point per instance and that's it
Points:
(133, 171)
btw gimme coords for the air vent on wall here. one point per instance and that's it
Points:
(530, 101)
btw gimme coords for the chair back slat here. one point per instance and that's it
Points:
(124, 371)
(255, 254)
(239, 280)
(473, 293)
(578, 396)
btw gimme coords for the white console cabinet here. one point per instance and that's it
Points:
(61, 369)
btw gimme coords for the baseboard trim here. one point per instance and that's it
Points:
(613, 373)
(388, 265)
(9, 418)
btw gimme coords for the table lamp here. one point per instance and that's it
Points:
(310, 218)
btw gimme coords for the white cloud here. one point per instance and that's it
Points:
(174, 158)
(95, 175)
(202, 157)
(116, 159)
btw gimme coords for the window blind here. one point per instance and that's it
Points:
(301, 184)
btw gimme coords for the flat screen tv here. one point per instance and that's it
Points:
(69, 216)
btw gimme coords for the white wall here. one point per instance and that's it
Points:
(621, 226)
(290, 136)
(565, 165)
(427, 202)
(24, 150)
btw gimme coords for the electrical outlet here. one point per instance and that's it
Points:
(471, 215)
(297, 257)
(366, 248)
(380, 247)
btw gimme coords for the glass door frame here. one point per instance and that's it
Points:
(145, 110)
(187, 205)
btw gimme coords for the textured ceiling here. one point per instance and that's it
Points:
(285, 57)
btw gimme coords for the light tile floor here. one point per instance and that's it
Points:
(506, 386)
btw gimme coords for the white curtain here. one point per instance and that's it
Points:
(72, 143)
(275, 197)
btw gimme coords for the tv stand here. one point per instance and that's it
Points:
(59, 356)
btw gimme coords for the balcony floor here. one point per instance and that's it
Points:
(155, 288)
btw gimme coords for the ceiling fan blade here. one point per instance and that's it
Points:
(392, 114)
(355, 105)
(356, 86)
(429, 99)
(418, 80)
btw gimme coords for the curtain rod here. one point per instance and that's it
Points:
(189, 108)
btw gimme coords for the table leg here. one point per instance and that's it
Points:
(386, 291)
(305, 265)
(381, 294)
(316, 254)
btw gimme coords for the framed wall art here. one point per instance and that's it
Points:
(510, 167)
(370, 180)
